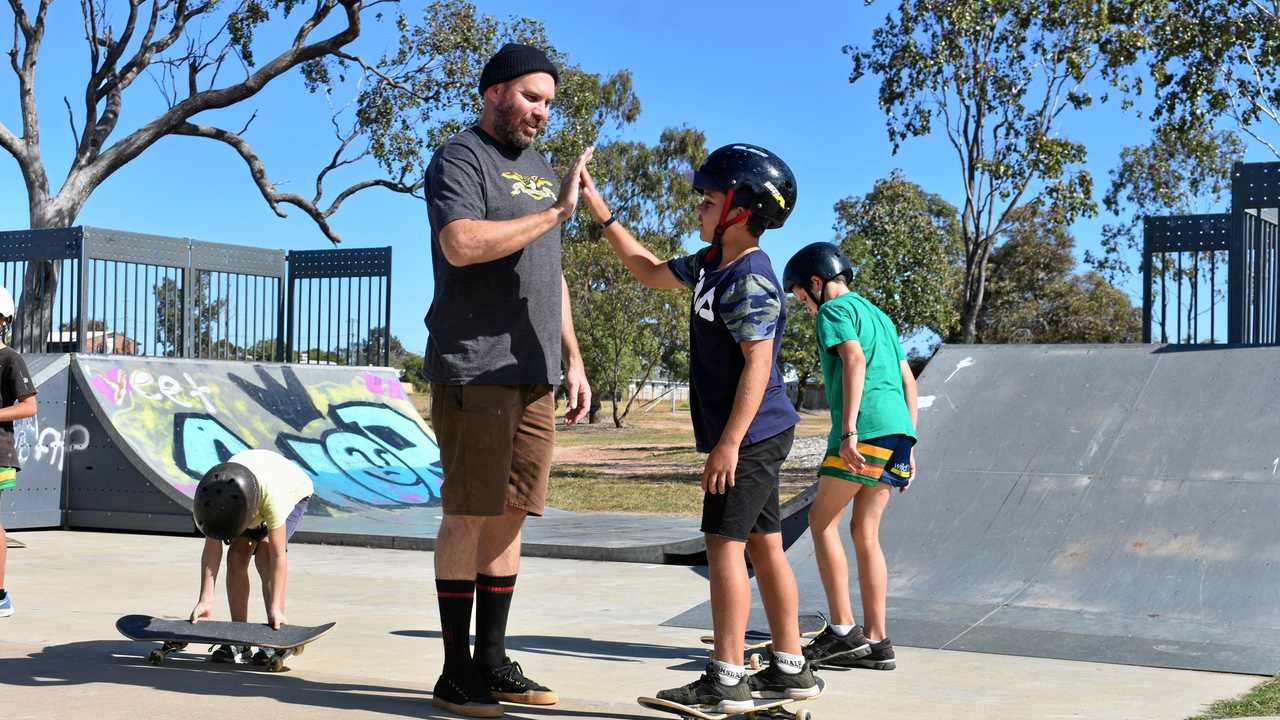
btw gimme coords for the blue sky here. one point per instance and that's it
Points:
(762, 72)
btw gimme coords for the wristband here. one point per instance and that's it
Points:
(846, 436)
(612, 219)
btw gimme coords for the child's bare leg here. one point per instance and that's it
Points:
(834, 495)
(730, 596)
(777, 590)
(262, 561)
(873, 575)
(4, 554)
(238, 557)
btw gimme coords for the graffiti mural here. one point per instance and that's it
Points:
(354, 432)
(48, 445)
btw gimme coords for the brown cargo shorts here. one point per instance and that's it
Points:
(495, 446)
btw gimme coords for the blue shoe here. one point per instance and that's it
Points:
(6, 605)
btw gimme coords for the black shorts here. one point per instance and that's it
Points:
(751, 505)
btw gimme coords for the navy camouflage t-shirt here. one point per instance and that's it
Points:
(731, 305)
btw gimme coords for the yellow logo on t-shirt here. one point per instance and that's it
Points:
(535, 187)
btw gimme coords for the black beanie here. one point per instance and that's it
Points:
(514, 60)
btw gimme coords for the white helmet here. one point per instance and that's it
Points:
(6, 303)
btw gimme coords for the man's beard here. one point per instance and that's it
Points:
(508, 125)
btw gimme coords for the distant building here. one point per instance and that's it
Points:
(96, 341)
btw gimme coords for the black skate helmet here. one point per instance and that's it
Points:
(823, 259)
(225, 501)
(752, 178)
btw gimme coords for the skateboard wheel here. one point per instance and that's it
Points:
(754, 662)
(804, 715)
(156, 657)
(275, 664)
(298, 650)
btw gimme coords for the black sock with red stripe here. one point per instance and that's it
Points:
(493, 604)
(455, 598)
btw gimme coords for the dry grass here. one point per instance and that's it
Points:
(647, 466)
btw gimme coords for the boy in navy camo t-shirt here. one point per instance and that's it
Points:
(741, 415)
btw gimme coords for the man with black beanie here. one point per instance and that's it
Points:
(499, 328)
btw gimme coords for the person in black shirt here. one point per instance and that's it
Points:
(17, 401)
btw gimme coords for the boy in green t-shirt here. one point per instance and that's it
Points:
(870, 450)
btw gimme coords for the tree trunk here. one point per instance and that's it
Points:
(34, 319)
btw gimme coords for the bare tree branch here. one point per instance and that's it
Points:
(274, 197)
(12, 144)
(71, 117)
(126, 149)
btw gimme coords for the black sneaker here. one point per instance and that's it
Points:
(880, 658)
(708, 694)
(230, 655)
(472, 702)
(772, 683)
(261, 658)
(508, 683)
(828, 646)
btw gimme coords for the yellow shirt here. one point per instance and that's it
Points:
(281, 484)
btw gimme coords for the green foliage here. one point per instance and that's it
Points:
(1035, 297)
(798, 355)
(206, 311)
(425, 89)
(626, 331)
(1179, 167)
(903, 243)
(997, 75)
(411, 364)
(1214, 59)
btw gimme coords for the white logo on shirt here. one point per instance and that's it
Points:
(703, 304)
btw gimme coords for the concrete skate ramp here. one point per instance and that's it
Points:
(152, 427)
(1111, 504)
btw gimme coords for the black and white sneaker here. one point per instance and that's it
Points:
(772, 683)
(231, 655)
(457, 697)
(508, 683)
(829, 646)
(708, 694)
(880, 658)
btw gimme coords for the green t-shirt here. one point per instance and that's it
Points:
(883, 410)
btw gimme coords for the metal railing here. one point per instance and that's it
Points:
(133, 294)
(1216, 278)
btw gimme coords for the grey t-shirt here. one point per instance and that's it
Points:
(494, 323)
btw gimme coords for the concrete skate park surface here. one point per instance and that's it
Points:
(590, 630)
(1101, 503)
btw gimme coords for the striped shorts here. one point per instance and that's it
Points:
(888, 461)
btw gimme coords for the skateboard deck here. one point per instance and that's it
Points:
(761, 708)
(175, 635)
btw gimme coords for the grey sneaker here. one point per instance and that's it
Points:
(708, 695)
(828, 646)
(772, 683)
(880, 658)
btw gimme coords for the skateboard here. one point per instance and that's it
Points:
(175, 635)
(759, 644)
(773, 708)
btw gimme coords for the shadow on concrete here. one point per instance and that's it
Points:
(123, 663)
(592, 649)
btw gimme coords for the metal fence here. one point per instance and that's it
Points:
(132, 294)
(1216, 278)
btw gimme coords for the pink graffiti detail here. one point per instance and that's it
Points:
(113, 385)
(379, 385)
